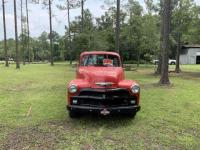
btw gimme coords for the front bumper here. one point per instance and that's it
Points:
(98, 110)
(104, 101)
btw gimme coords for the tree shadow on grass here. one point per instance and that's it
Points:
(96, 121)
(47, 135)
(190, 75)
(186, 75)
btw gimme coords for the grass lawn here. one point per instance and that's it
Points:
(33, 112)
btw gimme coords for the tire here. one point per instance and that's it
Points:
(73, 114)
(173, 63)
(132, 115)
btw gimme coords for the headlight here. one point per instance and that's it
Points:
(135, 89)
(73, 89)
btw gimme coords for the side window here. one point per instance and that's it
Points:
(83, 61)
(116, 62)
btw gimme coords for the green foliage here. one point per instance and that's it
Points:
(11, 49)
(1, 51)
(193, 32)
(139, 36)
(183, 16)
(169, 118)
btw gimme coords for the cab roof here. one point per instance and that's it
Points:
(99, 52)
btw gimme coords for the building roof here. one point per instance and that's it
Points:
(191, 46)
(99, 52)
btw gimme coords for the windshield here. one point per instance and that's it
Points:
(100, 60)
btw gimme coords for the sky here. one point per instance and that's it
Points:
(39, 19)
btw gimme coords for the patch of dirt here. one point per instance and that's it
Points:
(186, 75)
(1, 127)
(28, 138)
(88, 147)
(1, 131)
(18, 87)
(4, 129)
(147, 86)
(56, 87)
(190, 75)
(23, 86)
(157, 85)
(65, 125)
(43, 136)
(111, 140)
(193, 131)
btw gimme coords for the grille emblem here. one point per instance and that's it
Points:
(104, 83)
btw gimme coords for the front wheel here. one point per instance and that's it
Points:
(131, 115)
(73, 114)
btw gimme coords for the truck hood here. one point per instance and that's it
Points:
(101, 76)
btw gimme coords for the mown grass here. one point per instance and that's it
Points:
(33, 112)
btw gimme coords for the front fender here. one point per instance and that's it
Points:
(127, 84)
(80, 83)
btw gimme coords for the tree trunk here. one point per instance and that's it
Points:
(16, 36)
(5, 35)
(28, 32)
(177, 70)
(22, 33)
(138, 59)
(179, 35)
(159, 68)
(117, 32)
(158, 71)
(82, 15)
(69, 32)
(50, 35)
(138, 55)
(164, 80)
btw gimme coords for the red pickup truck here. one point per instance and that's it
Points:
(100, 87)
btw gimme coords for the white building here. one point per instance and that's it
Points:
(190, 54)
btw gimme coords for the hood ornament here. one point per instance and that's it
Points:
(104, 83)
